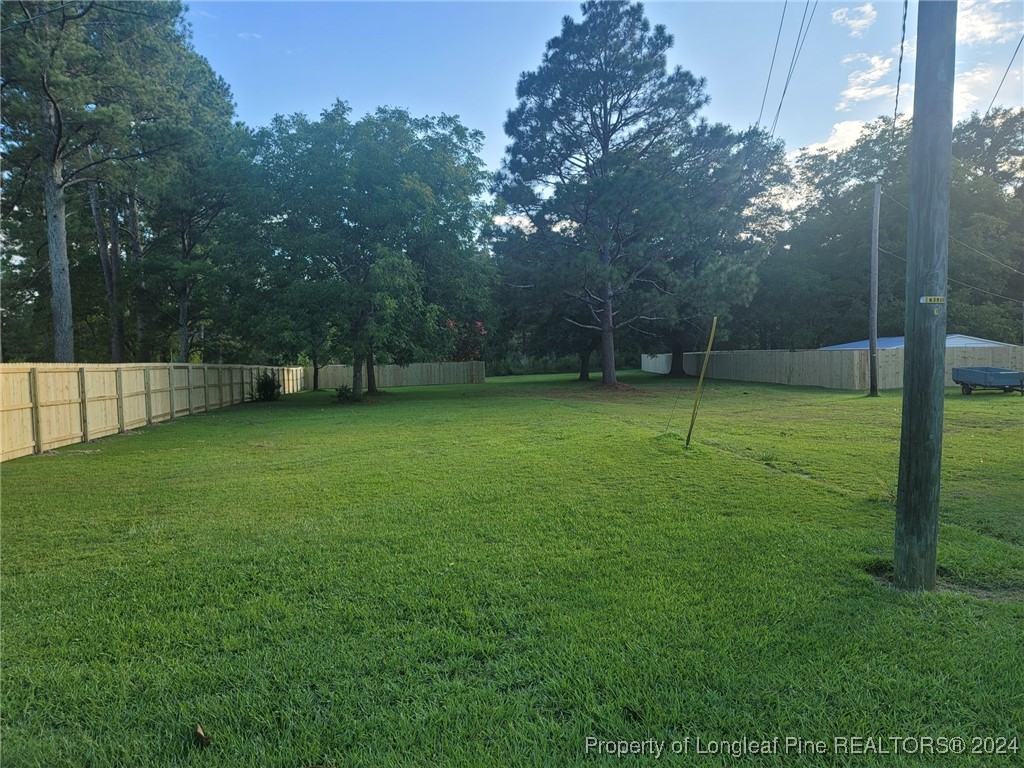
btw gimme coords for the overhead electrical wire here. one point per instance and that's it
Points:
(899, 76)
(982, 253)
(899, 66)
(772, 67)
(958, 282)
(1012, 58)
(961, 242)
(801, 38)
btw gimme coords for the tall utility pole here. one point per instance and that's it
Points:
(873, 311)
(917, 498)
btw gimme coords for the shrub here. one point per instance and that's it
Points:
(344, 393)
(265, 388)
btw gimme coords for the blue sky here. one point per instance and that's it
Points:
(464, 58)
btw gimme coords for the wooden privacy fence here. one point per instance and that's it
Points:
(414, 375)
(831, 368)
(49, 405)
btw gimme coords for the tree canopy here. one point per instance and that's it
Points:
(386, 211)
(140, 222)
(814, 290)
(624, 192)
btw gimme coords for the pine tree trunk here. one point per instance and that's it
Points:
(183, 338)
(357, 380)
(316, 373)
(57, 244)
(110, 264)
(585, 364)
(371, 376)
(607, 339)
(677, 369)
(117, 347)
(141, 352)
(357, 369)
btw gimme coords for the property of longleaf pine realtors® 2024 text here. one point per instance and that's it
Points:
(793, 745)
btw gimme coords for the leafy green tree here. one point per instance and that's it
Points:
(419, 212)
(732, 188)
(992, 145)
(814, 291)
(385, 211)
(183, 216)
(636, 213)
(535, 298)
(595, 139)
(76, 83)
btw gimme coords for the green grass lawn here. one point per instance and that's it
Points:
(489, 575)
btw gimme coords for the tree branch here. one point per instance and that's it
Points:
(581, 325)
(71, 177)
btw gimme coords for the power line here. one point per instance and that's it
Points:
(772, 67)
(962, 243)
(982, 253)
(899, 76)
(30, 19)
(1015, 52)
(801, 38)
(959, 282)
(982, 290)
(899, 67)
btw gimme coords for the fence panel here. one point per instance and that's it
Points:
(16, 409)
(133, 396)
(390, 376)
(837, 368)
(49, 405)
(101, 402)
(159, 392)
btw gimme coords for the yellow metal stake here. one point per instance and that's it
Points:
(700, 382)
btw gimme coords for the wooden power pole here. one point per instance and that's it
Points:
(873, 311)
(917, 498)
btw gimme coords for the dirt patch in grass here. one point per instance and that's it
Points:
(947, 581)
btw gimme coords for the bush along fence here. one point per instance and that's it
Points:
(48, 405)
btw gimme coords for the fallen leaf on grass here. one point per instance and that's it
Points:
(201, 737)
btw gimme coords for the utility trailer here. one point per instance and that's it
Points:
(983, 377)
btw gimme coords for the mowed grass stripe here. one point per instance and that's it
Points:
(488, 575)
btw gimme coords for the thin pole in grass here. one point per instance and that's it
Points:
(700, 381)
(873, 310)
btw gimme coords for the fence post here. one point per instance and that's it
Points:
(33, 393)
(85, 404)
(170, 388)
(119, 381)
(188, 380)
(149, 395)
(206, 386)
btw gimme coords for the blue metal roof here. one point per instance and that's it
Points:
(896, 342)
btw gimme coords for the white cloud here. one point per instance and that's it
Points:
(204, 14)
(843, 136)
(518, 221)
(857, 20)
(250, 35)
(973, 89)
(863, 84)
(991, 21)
